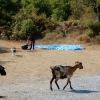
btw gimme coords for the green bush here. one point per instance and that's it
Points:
(89, 23)
(25, 25)
(96, 40)
(61, 10)
(90, 33)
(95, 28)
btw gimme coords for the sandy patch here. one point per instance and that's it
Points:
(38, 62)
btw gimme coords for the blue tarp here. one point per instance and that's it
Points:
(60, 47)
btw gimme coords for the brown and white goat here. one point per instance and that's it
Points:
(61, 72)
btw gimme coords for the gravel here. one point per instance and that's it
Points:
(85, 88)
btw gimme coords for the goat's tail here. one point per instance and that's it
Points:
(52, 70)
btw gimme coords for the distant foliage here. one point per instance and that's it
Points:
(96, 39)
(41, 6)
(95, 28)
(89, 23)
(8, 8)
(60, 10)
(25, 25)
(20, 18)
(77, 9)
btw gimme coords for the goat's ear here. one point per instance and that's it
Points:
(51, 67)
(1, 67)
(77, 62)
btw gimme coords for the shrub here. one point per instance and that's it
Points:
(84, 38)
(96, 40)
(90, 33)
(52, 36)
(94, 28)
(25, 25)
(89, 23)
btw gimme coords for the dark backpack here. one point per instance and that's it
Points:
(24, 46)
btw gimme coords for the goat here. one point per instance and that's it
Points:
(2, 70)
(13, 51)
(61, 72)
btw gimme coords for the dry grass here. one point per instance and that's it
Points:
(37, 63)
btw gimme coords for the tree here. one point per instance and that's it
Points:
(60, 9)
(41, 6)
(78, 9)
(8, 8)
(25, 25)
(95, 4)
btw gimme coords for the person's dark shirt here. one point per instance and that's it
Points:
(32, 39)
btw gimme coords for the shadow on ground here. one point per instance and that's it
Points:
(7, 50)
(19, 55)
(83, 91)
(2, 96)
(4, 50)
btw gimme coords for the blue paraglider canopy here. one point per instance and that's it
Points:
(60, 47)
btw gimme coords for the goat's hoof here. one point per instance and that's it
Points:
(64, 88)
(51, 89)
(72, 88)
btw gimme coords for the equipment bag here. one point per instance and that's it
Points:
(24, 46)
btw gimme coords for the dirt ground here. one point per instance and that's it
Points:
(29, 74)
(33, 64)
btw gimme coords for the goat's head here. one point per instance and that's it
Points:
(2, 70)
(79, 64)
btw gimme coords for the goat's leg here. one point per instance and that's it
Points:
(70, 84)
(51, 83)
(65, 85)
(57, 83)
(68, 81)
